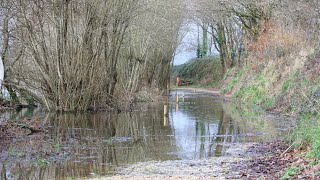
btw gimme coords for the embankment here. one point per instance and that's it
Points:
(199, 72)
(288, 85)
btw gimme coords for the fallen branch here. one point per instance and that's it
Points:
(287, 149)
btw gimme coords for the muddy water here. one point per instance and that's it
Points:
(92, 145)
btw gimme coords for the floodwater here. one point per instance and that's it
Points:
(94, 145)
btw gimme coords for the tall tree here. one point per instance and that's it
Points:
(204, 40)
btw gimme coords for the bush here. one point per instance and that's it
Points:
(204, 71)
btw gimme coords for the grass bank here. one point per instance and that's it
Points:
(197, 72)
(288, 85)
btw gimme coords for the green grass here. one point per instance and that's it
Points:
(42, 162)
(308, 134)
(255, 94)
(57, 146)
(251, 94)
(234, 81)
(286, 85)
(269, 102)
(290, 173)
(231, 85)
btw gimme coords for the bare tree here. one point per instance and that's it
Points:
(72, 55)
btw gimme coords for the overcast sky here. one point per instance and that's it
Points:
(187, 49)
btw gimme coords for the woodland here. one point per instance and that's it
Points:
(80, 55)
(77, 55)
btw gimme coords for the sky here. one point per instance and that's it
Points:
(187, 48)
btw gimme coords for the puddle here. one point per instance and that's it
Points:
(90, 145)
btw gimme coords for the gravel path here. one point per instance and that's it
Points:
(213, 168)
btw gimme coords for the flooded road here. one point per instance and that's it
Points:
(93, 145)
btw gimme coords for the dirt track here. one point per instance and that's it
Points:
(203, 90)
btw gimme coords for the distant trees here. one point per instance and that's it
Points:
(240, 27)
(231, 23)
(73, 55)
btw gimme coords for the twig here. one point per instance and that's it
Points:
(287, 149)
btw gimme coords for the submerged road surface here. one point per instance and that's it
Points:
(202, 137)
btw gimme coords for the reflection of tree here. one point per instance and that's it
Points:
(253, 121)
(233, 124)
(3, 172)
(204, 108)
(19, 114)
(201, 132)
(99, 142)
(207, 111)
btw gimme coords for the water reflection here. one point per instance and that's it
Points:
(85, 145)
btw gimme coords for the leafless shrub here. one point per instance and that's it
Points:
(70, 55)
